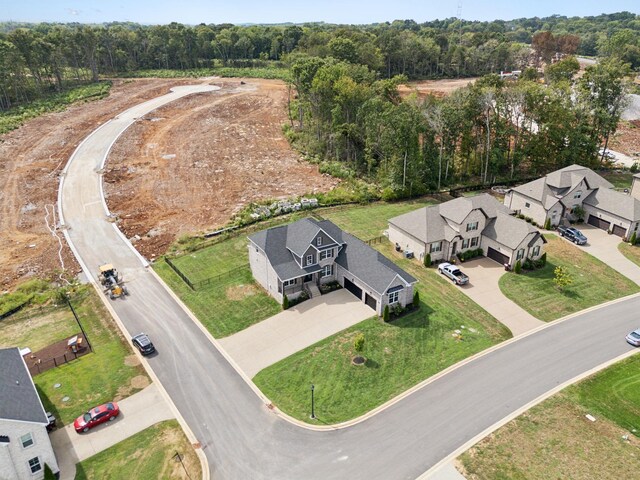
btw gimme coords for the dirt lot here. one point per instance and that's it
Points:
(437, 88)
(188, 167)
(627, 139)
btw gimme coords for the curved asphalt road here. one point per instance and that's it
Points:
(242, 439)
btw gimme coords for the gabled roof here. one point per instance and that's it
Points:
(370, 266)
(300, 237)
(19, 399)
(430, 224)
(508, 230)
(617, 203)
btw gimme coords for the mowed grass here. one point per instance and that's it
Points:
(632, 252)
(37, 327)
(226, 306)
(399, 354)
(369, 221)
(554, 439)
(620, 180)
(147, 454)
(593, 283)
(97, 377)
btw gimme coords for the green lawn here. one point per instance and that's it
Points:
(554, 439)
(593, 283)
(151, 451)
(620, 180)
(96, 377)
(227, 306)
(37, 327)
(369, 221)
(399, 355)
(632, 252)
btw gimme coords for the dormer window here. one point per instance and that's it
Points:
(578, 194)
(319, 241)
(309, 259)
(472, 226)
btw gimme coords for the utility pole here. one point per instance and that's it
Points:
(84, 334)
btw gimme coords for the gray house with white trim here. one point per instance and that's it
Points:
(25, 447)
(463, 224)
(555, 196)
(305, 254)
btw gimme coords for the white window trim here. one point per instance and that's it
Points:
(319, 241)
(31, 439)
(324, 254)
(435, 247)
(520, 254)
(472, 226)
(394, 297)
(578, 194)
(327, 271)
(309, 259)
(536, 250)
(39, 463)
(475, 241)
(288, 283)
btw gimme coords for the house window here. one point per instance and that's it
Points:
(575, 205)
(435, 247)
(527, 205)
(474, 241)
(536, 250)
(26, 440)
(520, 254)
(309, 259)
(472, 226)
(327, 271)
(578, 194)
(34, 465)
(465, 243)
(326, 254)
(393, 297)
(319, 241)
(553, 215)
(288, 283)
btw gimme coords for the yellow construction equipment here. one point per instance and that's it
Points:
(112, 281)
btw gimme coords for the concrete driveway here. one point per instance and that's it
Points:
(137, 412)
(483, 289)
(605, 248)
(286, 333)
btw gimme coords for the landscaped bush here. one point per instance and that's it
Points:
(468, 254)
(518, 267)
(301, 298)
(427, 260)
(330, 287)
(285, 302)
(385, 313)
(633, 239)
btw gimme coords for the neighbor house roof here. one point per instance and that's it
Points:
(616, 203)
(508, 230)
(357, 257)
(430, 224)
(19, 399)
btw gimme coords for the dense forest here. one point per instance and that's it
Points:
(345, 109)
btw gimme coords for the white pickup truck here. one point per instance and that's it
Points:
(454, 273)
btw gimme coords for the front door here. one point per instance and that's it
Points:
(308, 278)
(454, 248)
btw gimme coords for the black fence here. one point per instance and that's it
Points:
(41, 365)
(179, 273)
(217, 279)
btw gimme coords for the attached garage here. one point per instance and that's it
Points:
(370, 301)
(619, 231)
(598, 222)
(493, 254)
(353, 288)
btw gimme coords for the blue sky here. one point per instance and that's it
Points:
(277, 11)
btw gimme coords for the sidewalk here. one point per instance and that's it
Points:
(137, 412)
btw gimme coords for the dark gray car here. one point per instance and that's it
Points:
(143, 344)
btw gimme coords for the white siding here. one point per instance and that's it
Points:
(488, 242)
(263, 272)
(15, 458)
(518, 202)
(609, 217)
(406, 241)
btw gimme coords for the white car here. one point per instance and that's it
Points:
(634, 338)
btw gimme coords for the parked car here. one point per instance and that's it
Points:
(454, 273)
(96, 416)
(634, 338)
(573, 235)
(143, 344)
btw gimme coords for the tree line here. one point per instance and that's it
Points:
(39, 58)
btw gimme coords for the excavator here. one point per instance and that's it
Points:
(112, 281)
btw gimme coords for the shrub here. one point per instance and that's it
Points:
(543, 259)
(416, 298)
(285, 302)
(634, 168)
(358, 342)
(427, 260)
(633, 239)
(518, 267)
(385, 313)
(547, 224)
(48, 473)
(561, 277)
(528, 264)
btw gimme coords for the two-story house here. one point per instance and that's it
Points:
(466, 223)
(301, 256)
(556, 195)
(24, 442)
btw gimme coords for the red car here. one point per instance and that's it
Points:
(96, 416)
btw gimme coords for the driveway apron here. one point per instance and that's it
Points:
(605, 248)
(288, 332)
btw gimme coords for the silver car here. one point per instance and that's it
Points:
(634, 338)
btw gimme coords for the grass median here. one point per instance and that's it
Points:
(593, 283)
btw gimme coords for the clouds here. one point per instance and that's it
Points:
(73, 11)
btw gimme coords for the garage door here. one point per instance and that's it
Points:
(369, 300)
(497, 256)
(598, 222)
(349, 285)
(619, 231)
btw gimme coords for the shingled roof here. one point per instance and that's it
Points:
(19, 399)
(369, 265)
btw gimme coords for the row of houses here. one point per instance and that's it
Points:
(300, 257)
